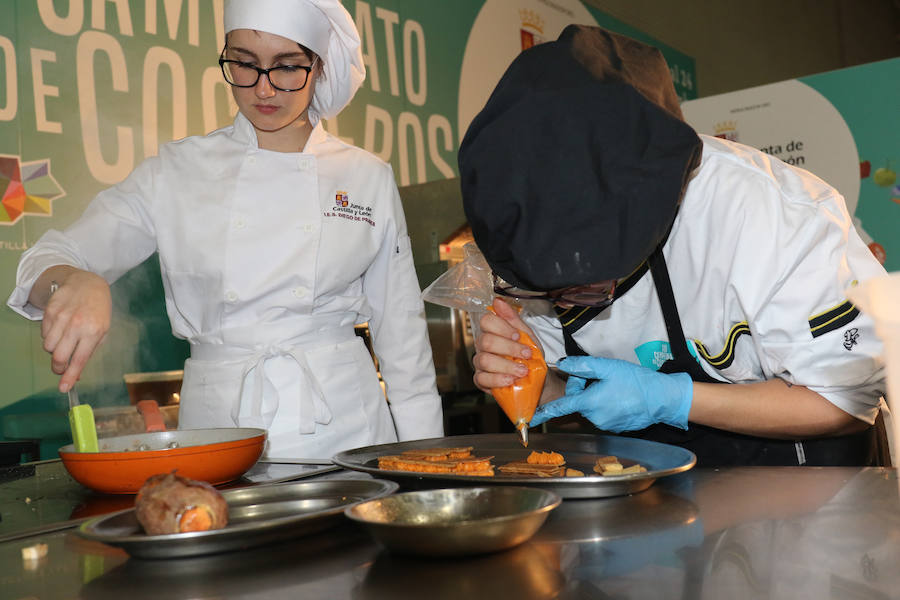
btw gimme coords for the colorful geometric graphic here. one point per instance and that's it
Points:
(26, 189)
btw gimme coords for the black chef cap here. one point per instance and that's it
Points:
(573, 171)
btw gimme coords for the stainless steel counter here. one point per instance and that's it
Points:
(756, 532)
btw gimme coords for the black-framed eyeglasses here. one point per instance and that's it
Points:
(285, 78)
(598, 295)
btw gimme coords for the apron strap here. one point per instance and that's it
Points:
(574, 318)
(677, 343)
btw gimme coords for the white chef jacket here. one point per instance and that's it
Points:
(268, 260)
(759, 256)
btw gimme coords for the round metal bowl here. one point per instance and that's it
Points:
(457, 521)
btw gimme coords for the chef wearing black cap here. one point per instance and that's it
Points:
(671, 262)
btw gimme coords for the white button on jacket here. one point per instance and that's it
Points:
(268, 260)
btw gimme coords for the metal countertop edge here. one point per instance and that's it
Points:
(49, 528)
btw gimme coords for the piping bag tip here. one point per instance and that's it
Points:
(522, 428)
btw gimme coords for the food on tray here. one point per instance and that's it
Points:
(633, 469)
(439, 453)
(461, 461)
(34, 552)
(546, 458)
(610, 466)
(522, 467)
(553, 464)
(452, 461)
(520, 399)
(167, 503)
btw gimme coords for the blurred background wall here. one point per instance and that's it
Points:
(738, 44)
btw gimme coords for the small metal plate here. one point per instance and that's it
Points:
(256, 515)
(580, 451)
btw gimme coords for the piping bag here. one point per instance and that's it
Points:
(468, 286)
(520, 399)
(81, 416)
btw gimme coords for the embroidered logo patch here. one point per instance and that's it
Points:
(345, 209)
(851, 338)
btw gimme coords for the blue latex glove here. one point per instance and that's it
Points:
(625, 397)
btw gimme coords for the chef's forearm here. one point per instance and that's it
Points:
(772, 409)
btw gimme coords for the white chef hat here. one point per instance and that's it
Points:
(323, 26)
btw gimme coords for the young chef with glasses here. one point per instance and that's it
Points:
(672, 262)
(275, 239)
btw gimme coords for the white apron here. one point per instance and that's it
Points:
(316, 393)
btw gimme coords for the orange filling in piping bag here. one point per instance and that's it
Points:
(520, 399)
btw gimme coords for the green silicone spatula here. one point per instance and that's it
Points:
(81, 420)
(81, 416)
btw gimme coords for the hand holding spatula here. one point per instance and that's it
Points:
(81, 416)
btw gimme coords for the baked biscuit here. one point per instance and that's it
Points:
(413, 462)
(610, 466)
(439, 453)
(524, 468)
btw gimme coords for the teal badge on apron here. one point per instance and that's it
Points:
(654, 354)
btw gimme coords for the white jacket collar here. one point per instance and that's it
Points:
(245, 133)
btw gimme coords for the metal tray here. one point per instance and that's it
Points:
(256, 515)
(580, 451)
(275, 471)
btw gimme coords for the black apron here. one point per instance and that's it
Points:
(715, 447)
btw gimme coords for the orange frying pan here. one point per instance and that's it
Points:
(125, 462)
